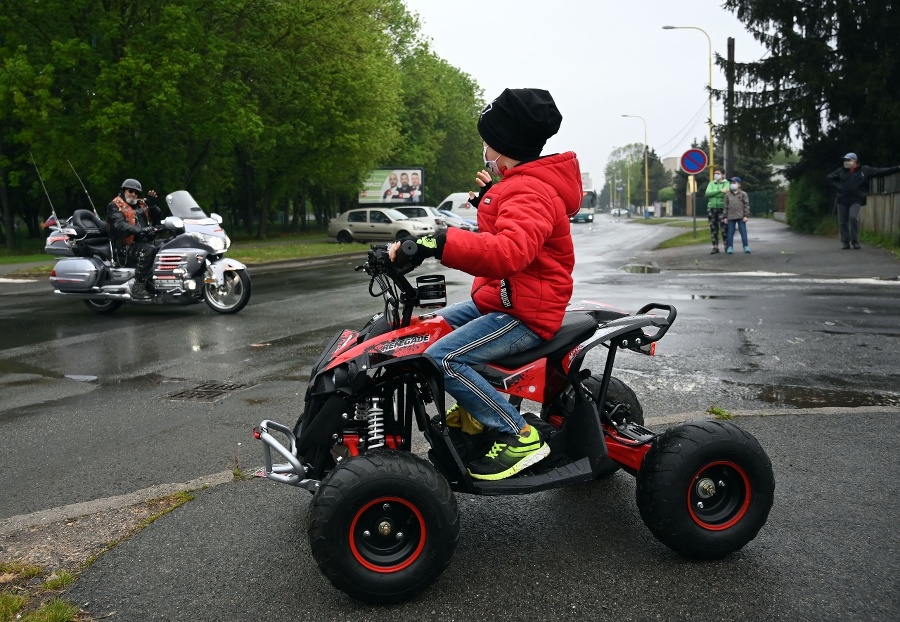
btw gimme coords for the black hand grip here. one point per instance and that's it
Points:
(409, 248)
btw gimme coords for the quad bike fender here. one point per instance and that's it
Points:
(217, 269)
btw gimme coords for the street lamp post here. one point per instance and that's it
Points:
(711, 151)
(646, 167)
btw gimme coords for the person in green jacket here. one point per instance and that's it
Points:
(715, 195)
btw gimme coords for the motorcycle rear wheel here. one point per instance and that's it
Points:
(230, 297)
(101, 305)
(383, 526)
(705, 488)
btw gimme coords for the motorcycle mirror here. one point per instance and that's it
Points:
(216, 217)
(174, 223)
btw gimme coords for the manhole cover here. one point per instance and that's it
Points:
(207, 392)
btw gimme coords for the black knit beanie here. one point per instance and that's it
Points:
(518, 123)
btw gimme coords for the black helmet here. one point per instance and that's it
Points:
(132, 184)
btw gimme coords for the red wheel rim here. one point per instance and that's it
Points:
(719, 495)
(387, 534)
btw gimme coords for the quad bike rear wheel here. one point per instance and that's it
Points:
(705, 488)
(383, 526)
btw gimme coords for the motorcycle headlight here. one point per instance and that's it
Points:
(213, 241)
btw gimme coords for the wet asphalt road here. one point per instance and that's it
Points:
(750, 336)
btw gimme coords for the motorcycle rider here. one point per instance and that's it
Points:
(131, 220)
(522, 260)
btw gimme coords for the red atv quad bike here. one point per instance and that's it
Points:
(384, 522)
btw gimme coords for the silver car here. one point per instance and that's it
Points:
(455, 220)
(426, 214)
(364, 224)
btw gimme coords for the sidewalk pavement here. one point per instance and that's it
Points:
(776, 249)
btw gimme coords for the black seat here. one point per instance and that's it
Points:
(576, 327)
(88, 225)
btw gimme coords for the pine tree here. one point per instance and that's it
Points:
(830, 80)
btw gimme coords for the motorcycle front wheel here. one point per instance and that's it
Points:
(101, 305)
(705, 488)
(230, 297)
(383, 526)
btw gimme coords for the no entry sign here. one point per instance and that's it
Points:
(693, 161)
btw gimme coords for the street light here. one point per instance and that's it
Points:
(711, 165)
(646, 168)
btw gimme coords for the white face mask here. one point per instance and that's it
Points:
(848, 163)
(491, 165)
(717, 176)
(734, 186)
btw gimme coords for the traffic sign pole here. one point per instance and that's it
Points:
(693, 161)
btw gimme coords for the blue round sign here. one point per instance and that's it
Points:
(693, 161)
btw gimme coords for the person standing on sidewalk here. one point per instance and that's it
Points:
(852, 183)
(737, 212)
(715, 195)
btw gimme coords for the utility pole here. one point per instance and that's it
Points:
(729, 111)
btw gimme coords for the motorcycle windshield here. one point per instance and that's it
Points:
(183, 205)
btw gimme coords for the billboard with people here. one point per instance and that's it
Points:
(393, 185)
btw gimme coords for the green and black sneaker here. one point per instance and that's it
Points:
(511, 454)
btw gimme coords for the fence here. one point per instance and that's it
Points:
(761, 203)
(881, 213)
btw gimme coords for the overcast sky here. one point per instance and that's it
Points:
(599, 59)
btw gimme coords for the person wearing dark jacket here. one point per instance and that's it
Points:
(131, 220)
(852, 184)
(522, 260)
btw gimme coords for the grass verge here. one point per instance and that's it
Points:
(33, 593)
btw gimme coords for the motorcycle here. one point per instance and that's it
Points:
(189, 267)
(384, 522)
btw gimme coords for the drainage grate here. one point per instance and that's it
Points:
(207, 392)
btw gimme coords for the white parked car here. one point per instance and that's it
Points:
(424, 213)
(458, 203)
(365, 224)
(619, 211)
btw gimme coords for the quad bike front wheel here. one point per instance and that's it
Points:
(383, 526)
(232, 295)
(705, 488)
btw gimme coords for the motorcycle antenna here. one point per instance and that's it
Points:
(83, 188)
(52, 209)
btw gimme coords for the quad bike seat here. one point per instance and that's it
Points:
(576, 327)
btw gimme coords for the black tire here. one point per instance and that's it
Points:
(409, 513)
(230, 297)
(401, 235)
(705, 488)
(101, 305)
(344, 237)
(618, 393)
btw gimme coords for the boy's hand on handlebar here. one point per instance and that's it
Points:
(415, 251)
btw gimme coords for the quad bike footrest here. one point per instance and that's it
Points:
(577, 472)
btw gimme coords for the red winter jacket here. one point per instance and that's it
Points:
(522, 256)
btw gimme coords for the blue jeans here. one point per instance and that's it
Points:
(478, 339)
(742, 227)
